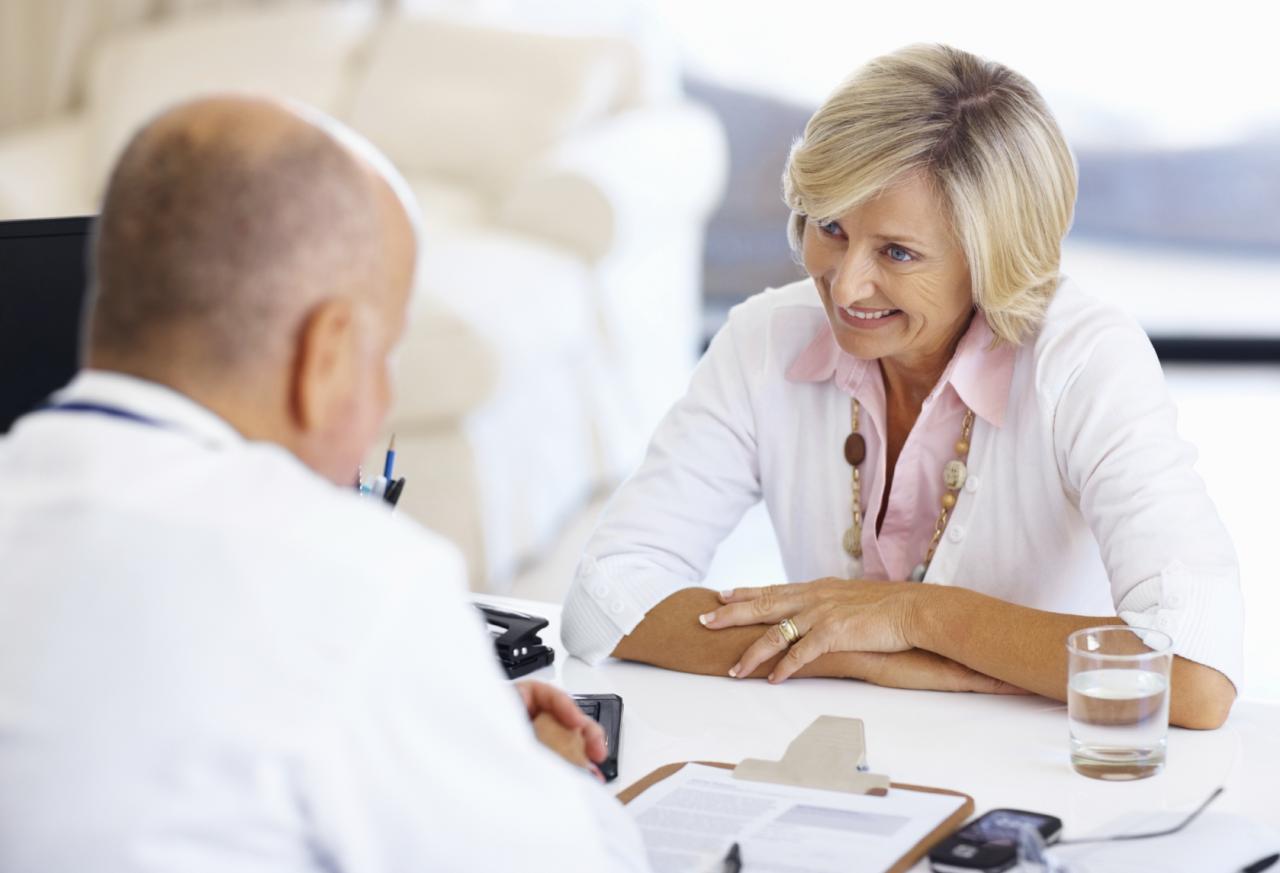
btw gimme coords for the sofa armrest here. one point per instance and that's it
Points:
(444, 368)
(42, 170)
(596, 189)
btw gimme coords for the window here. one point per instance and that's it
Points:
(1170, 112)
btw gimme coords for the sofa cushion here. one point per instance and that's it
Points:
(446, 208)
(476, 103)
(443, 368)
(515, 363)
(302, 52)
(490, 304)
(653, 77)
(41, 171)
(528, 299)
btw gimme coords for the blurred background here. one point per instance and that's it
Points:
(600, 182)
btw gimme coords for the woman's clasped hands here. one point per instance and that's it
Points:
(864, 626)
(830, 615)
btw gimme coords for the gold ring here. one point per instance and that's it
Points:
(789, 631)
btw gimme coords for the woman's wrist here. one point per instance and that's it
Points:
(928, 607)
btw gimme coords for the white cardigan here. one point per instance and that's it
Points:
(1084, 501)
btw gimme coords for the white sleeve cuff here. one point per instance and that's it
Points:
(608, 598)
(1202, 611)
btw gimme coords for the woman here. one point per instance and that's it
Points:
(934, 403)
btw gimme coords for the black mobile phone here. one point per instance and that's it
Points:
(990, 843)
(607, 710)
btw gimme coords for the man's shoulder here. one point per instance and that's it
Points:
(387, 595)
(328, 529)
(335, 566)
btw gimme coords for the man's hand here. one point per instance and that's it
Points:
(566, 743)
(562, 727)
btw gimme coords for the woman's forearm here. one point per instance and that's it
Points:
(1027, 648)
(671, 637)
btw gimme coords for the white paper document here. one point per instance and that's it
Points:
(1213, 842)
(689, 821)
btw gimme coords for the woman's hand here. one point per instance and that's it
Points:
(860, 626)
(831, 615)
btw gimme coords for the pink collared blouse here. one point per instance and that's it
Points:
(977, 378)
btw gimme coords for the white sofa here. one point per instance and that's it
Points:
(565, 184)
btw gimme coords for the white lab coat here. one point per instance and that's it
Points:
(212, 660)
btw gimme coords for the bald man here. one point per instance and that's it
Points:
(214, 655)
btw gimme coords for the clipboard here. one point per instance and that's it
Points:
(830, 745)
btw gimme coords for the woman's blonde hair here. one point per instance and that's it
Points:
(986, 140)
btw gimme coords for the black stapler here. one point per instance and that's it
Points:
(515, 636)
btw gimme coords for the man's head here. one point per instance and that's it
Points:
(250, 258)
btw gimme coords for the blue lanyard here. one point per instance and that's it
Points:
(125, 415)
(101, 409)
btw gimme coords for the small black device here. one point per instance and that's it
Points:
(515, 637)
(607, 710)
(990, 843)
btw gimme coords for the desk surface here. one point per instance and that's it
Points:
(1004, 751)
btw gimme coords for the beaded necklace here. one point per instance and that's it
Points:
(953, 475)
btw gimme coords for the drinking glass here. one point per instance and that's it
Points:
(1118, 700)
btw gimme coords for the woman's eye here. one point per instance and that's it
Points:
(830, 228)
(899, 254)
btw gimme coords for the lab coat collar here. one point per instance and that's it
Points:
(151, 400)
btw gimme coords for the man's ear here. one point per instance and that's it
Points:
(324, 368)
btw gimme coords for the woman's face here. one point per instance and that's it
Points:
(892, 276)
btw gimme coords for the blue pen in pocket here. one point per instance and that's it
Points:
(390, 465)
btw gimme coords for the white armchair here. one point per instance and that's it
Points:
(565, 184)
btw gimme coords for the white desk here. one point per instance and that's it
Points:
(1004, 751)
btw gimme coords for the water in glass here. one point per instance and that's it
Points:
(1118, 720)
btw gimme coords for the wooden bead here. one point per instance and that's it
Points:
(954, 474)
(962, 448)
(948, 500)
(855, 449)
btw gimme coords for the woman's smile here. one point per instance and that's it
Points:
(860, 318)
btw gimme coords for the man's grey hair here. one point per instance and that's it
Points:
(225, 220)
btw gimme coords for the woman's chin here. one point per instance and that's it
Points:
(864, 344)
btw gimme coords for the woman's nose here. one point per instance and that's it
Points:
(851, 279)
